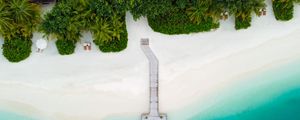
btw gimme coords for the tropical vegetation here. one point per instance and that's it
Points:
(243, 9)
(65, 23)
(17, 49)
(176, 16)
(18, 20)
(284, 9)
(189, 16)
(108, 24)
(105, 19)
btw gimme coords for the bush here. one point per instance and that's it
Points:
(283, 10)
(241, 23)
(114, 45)
(16, 50)
(65, 47)
(65, 22)
(110, 34)
(179, 23)
(150, 8)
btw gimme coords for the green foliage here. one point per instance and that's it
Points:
(17, 49)
(21, 18)
(189, 16)
(18, 19)
(283, 9)
(198, 11)
(242, 11)
(65, 47)
(176, 16)
(110, 36)
(107, 18)
(104, 18)
(115, 45)
(63, 22)
(102, 30)
(5, 20)
(151, 8)
(179, 23)
(242, 23)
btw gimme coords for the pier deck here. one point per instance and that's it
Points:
(153, 76)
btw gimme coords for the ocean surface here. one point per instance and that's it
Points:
(284, 107)
(12, 116)
(274, 94)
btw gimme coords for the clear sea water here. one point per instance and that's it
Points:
(284, 107)
(275, 95)
(271, 95)
(12, 116)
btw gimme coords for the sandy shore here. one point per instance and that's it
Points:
(93, 85)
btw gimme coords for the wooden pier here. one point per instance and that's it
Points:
(153, 76)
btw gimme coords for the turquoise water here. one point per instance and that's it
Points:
(284, 107)
(273, 95)
(12, 116)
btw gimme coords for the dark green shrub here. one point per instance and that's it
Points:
(64, 22)
(16, 50)
(151, 8)
(113, 45)
(179, 23)
(283, 10)
(65, 47)
(242, 23)
(110, 34)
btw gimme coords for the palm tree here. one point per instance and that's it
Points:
(243, 14)
(198, 11)
(102, 31)
(117, 26)
(216, 9)
(18, 19)
(5, 20)
(25, 17)
(202, 10)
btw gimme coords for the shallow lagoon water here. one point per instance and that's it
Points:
(284, 107)
(275, 95)
(12, 116)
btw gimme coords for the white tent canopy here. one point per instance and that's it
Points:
(41, 43)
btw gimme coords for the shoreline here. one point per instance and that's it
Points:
(36, 112)
(242, 93)
(94, 85)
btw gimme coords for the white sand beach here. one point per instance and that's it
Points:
(193, 68)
